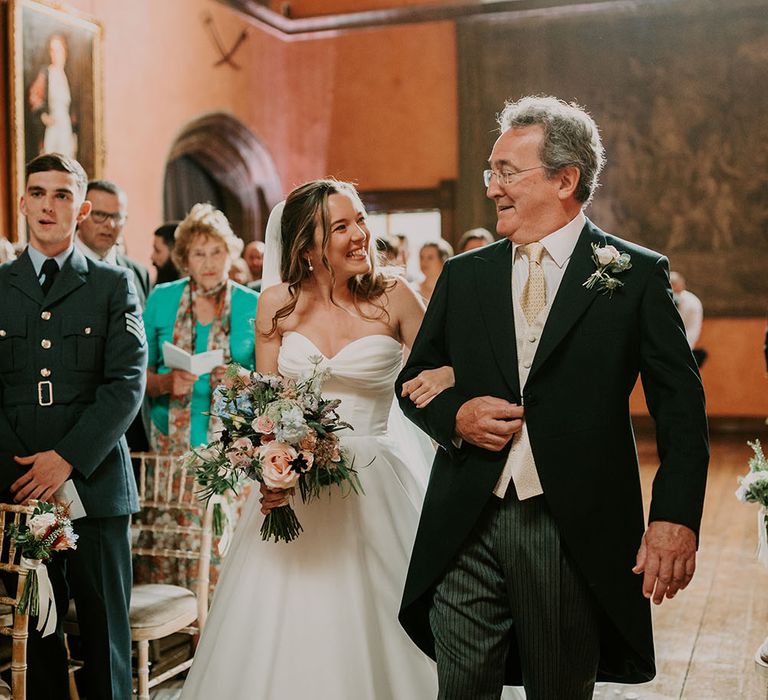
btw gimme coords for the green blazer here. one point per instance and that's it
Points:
(576, 400)
(159, 320)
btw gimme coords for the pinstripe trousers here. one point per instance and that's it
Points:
(513, 577)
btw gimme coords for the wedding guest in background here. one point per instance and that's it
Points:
(97, 238)
(162, 248)
(389, 254)
(203, 311)
(239, 272)
(98, 234)
(432, 257)
(254, 258)
(72, 367)
(691, 311)
(475, 238)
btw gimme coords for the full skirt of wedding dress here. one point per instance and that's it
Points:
(316, 618)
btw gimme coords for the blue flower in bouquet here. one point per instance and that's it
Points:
(243, 404)
(220, 402)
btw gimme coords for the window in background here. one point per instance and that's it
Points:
(418, 226)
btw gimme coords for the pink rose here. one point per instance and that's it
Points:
(263, 425)
(236, 458)
(309, 441)
(277, 472)
(243, 444)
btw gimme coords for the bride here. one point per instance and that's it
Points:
(317, 617)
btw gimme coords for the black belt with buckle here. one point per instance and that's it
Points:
(47, 393)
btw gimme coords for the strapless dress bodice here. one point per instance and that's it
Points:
(362, 376)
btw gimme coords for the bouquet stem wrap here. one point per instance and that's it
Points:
(222, 521)
(762, 536)
(281, 524)
(37, 596)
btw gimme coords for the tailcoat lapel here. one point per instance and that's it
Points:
(493, 275)
(572, 299)
(23, 277)
(72, 276)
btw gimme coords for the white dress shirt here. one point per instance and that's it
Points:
(110, 257)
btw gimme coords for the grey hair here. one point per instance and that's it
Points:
(571, 137)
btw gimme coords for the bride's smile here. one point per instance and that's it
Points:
(348, 247)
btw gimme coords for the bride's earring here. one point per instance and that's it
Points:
(309, 264)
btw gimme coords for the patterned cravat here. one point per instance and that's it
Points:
(534, 296)
(50, 270)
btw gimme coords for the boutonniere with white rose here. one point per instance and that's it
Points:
(608, 260)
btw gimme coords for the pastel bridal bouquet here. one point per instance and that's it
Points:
(47, 531)
(281, 433)
(753, 488)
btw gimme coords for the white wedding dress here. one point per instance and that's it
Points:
(316, 619)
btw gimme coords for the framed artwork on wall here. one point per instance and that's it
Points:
(56, 90)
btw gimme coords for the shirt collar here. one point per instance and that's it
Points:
(39, 258)
(560, 244)
(110, 257)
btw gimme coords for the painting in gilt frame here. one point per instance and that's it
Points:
(56, 90)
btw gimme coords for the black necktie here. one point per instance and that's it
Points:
(50, 270)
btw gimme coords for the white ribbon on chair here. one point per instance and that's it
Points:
(762, 536)
(46, 619)
(225, 540)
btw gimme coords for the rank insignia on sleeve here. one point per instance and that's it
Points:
(135, 326)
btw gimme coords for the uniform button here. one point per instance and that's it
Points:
(87, 330)
(2, 333)
(46, 315)
(531, 338)
(45, 372)
(527, 364)
(45, 343)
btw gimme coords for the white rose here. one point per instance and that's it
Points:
(41, 524)
(607, 254)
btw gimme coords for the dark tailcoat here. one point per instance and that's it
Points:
(80, 349)
(140, 277)
(576, 403)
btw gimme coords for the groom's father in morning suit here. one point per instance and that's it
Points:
(532, 560)
(72, 367)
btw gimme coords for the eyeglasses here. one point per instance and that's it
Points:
(507, 177)
(99, 217)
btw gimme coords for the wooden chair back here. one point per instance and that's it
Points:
(167, 487)
(10, 558)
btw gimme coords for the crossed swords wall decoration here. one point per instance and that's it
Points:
(227, 56)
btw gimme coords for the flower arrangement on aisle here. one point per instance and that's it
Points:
(281, 433)
(47, 531)
(753, 488)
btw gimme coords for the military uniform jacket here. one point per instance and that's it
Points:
(72, 374)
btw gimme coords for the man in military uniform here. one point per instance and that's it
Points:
(72, 372)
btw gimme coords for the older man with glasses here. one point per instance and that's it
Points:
(533, 563)
(98, 234)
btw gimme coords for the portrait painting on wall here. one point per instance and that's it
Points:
(55, 87)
